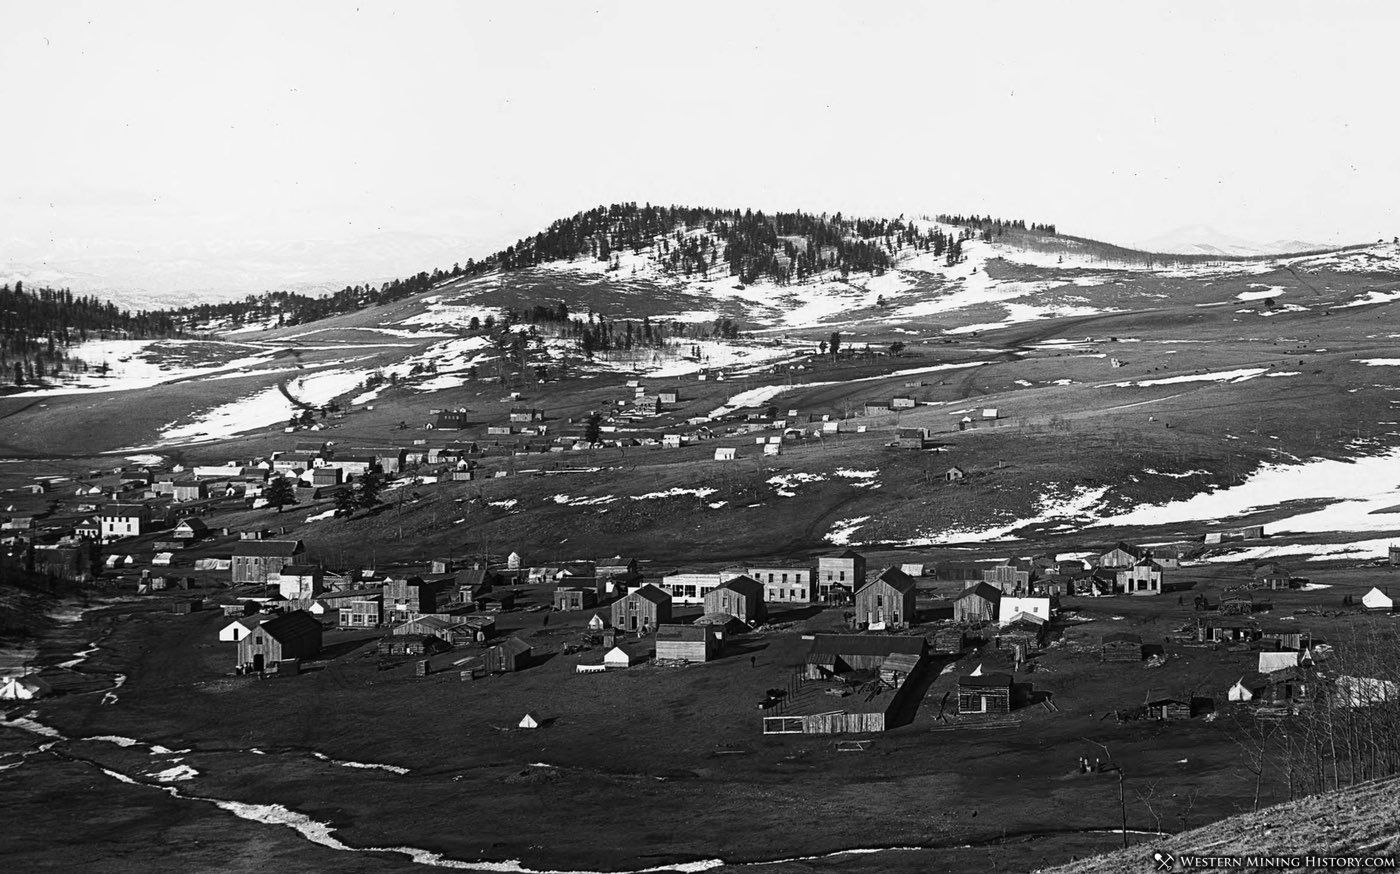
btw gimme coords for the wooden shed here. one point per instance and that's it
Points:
(740, 597)
(1168, 708)
(948, 640)
(572, 598)
(686, 643)
(977, 603)
(984, 693)
(511, 654)
(832, 654)
(294, 635)
(1121, 646)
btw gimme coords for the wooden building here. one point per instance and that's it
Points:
(511, 654)
(1121, 646)
(259, 561)
(887, 601)
(835, 654)
(978, 603)
(1122, 555)
(840, 574)
(785, 582)
(948, 640)
(192, 528)
(1168, 709)
(642, 611)
(982, 694)
(1143, 578)
(571, 598)
(295, 635)
(686, 643)
(740, 597)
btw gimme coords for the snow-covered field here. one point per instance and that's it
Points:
(1360, 492)
(260, 409)
(137, 364)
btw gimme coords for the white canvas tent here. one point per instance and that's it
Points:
(597, 623)
(529, 721)
(23, 688)
(1377, 600)
(1240, 692)
(1277, 661)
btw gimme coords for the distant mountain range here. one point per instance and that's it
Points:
(1205, 240)
(178, 274)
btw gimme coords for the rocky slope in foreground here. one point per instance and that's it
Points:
(1362, 821)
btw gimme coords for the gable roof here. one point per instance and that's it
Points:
(1134, 551)
(744, 585)
(848, 553)
(513, 646)
(981, 590)
(895, 579)
(194, 523)
(651, 593)
(999, 681)
(290, 626)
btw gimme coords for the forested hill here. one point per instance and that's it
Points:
(780, 247)
(38, 326)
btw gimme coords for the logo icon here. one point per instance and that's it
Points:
(1165, 861)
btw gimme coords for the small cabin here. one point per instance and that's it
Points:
(982, 694)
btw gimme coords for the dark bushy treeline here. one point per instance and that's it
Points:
(37, 328)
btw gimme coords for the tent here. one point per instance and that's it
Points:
(1277, 661)
(1241, 691)
(597, 623)
(529, 721)
(23, 688)
(1378, 600)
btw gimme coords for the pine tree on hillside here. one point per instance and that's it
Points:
(280, 493)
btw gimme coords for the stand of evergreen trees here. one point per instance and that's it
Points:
(38, 327)
(708, 243)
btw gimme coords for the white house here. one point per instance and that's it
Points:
(1378, 601)
(692, 588)
(726, 453)
(1011, 606)
(240, 628)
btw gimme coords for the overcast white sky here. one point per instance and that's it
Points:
(160, 124)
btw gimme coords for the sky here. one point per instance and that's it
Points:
(258, 140)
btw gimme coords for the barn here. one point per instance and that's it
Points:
(686, 643)
(980, 694)
(1121, 646)
(887, 601)
(642, 610)
(740, 597)
(978, 603)
(295, 635)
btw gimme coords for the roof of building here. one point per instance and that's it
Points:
(847, 553)
(688, 633)
(981, 590)
(895, 579)
(1122, 637)
(651, 593)
(1134, 551)
(743, 585)
(997, 681)
(865, 644)
(268, 547)
(513, 646)
(194, 523)
(250, 622)
(290, 626)
(300, 570)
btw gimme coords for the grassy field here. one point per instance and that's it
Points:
(631, 769)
